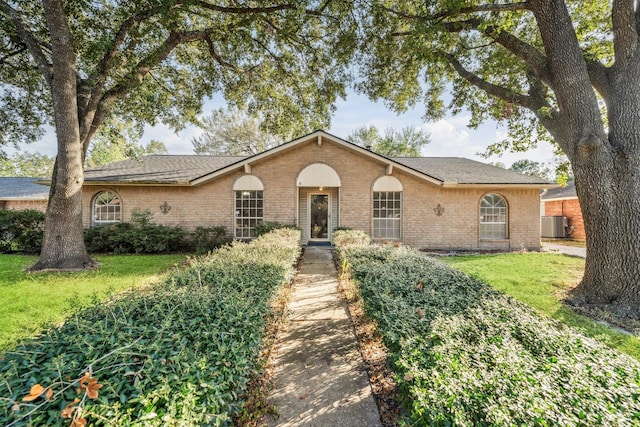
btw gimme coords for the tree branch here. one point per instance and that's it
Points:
(242, 10)
(490, 88)
(33, 44)
(522, 50)
(508, 7)
(625, 35)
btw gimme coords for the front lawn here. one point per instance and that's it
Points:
(541, 280)
(31, 302)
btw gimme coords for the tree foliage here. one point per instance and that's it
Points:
(27, 164)
(531, 168)
(118, 140)
(233, 132)
(406, 142)
(73, 64)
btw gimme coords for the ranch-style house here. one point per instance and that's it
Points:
(320, 182)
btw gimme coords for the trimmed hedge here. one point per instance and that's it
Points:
(179, 353)
(468, 355)
(142, 236)
(345, 237)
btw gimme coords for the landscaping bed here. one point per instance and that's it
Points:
(465, 354)
(179, 353)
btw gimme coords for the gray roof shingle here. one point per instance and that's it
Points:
(159, 169)
(12, 188)
(465, 171)
(561, 192)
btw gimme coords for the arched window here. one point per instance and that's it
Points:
(249, 206)
(387, 208)
(494, 216)
(107, 208)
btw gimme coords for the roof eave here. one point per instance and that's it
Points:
(530, 186)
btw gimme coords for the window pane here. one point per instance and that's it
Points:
(493, 217)
(106, 208)
(249, 214)
(387, 214)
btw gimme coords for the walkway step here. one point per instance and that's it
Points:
(320, 378)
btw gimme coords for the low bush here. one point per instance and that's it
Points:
(206, 239)
(142, 236)
(180, 353)
(21, 231)
(269, 226)
(468, 355)
(345, 236)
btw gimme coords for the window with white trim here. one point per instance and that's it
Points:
(249, 213)
(387, 214)
(106, 208)
(494, 214)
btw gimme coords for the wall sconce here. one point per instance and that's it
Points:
(320, 188)
(165, 208)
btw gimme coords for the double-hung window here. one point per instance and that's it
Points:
(387, 214)
(494, 214)
(249, 213)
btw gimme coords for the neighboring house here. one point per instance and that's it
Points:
(320, 182)
(564, 202)
(23, 193)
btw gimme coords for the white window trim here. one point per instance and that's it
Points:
(94, 221)
(504, 223)
(400, 220)
(236, 216)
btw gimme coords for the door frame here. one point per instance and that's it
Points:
(329, 223)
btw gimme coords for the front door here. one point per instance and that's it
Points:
(319, 217)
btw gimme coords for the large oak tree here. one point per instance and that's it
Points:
(73, 63)
(548, 68)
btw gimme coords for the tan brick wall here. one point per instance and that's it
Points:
(571, 209)
(211, 203)
(20, 205)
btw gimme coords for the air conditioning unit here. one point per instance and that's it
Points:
(554, 226)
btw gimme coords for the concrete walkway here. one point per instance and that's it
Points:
(564, 249)
(320, 378)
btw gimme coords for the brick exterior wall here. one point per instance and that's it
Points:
(211, 203)
(21, 205)
(571, 209)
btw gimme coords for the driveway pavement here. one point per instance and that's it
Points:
(563, 249)
(320, 377)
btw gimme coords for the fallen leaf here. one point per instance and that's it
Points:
(35, 392)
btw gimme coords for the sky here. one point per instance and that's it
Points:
(450, 136)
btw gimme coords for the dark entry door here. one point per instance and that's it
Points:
(319, 214)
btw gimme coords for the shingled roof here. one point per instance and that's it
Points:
(21, 188)
(567, 192)
(195, 169)
(159, 169)
(465, 171)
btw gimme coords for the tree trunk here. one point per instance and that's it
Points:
(63, 245)
(608, 187)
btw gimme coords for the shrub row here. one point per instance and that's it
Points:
(467, 355)
(21, 231)
(142, 236)
(179, 353)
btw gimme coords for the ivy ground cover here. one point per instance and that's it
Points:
(541, 281)
(180, 352)
(468, 355)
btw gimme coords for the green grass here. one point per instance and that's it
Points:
(541, 280)
(33, 302)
